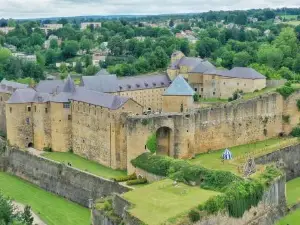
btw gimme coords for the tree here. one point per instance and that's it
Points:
(171, 23)
(50, 57)
(70, 49)
(227, 59)
(161, 57)
(78, 67)
(184, 47)
(270, 55)
(86, 44)
(27, 216)
(2, 40)
(287, 42)
(5, 53)
(116, 45)
(206, 46)
(269, 14)
(242, 59)
(36, 39)
(53, 44)
(40, 59)
(296, 66)
(241, 19)
(91, 70)
(286, 73)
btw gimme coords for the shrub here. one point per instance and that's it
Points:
(152, 143)
(285, 91)
(286, 118)
(47, 149)
(288, 84)
(196, 97)
(137, 181)
(2, 134)
(145, 122)
(298, 104)
(194, 215)
(182, 171)
(126, 178)
(296, 132)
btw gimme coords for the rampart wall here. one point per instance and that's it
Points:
(65, 181)
(288, 158)
(225, 125)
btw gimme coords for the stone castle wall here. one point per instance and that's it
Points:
(222, 126)
(267, 212)
(288, 158)
(65, 181)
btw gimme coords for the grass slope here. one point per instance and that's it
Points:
(291, 219)
(84, 164)
(213, 160)
(52, 209)
(160, 201)
(293, 191)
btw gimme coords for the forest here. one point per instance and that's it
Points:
(139, 45)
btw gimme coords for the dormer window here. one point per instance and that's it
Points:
(146, 84)
(120, 87)
(137, 85)
(129, 86)
(154, 84)
(162, 83)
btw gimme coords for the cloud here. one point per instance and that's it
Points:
(58, 8)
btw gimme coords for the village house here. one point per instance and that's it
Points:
(85, 25)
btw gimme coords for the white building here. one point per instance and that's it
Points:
(83, 26)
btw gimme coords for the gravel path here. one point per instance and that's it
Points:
(36, 221)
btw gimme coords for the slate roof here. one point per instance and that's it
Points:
(198, 65)
(110, 83)
(50, 86)
(143, 82)
(238, 72)
(179, 87)
(22, 96)
(9, 86)
(69, 85)
(13, 84)
(97, 98)
(102, 83)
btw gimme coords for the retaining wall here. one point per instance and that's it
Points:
(73, 184)
(288, 158)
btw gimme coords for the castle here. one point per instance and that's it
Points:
(210, 82)
(109, 119)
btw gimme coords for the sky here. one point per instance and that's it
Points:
(59, 8)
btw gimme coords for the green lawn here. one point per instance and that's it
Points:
(293, 191)
(84, 164)
(293, 22)
(292, 219)
(52, 209)
(213, 100)
(213, 160)
(160, 201)
(258, 93)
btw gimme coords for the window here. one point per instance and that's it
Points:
(238, 84)
(27, 121)
(201, 89)
(1, 99)
(10, 109)
(196, 89)
(69, 117)
(214, 93)
(245, 85)
(46, 110)
(35, 108)
(224, 83)
(28, 108)
(66, 105)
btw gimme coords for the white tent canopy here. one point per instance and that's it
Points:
(227, 155)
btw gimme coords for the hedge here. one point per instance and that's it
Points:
(183, 171)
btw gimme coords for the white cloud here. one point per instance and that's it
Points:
(57, 8)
